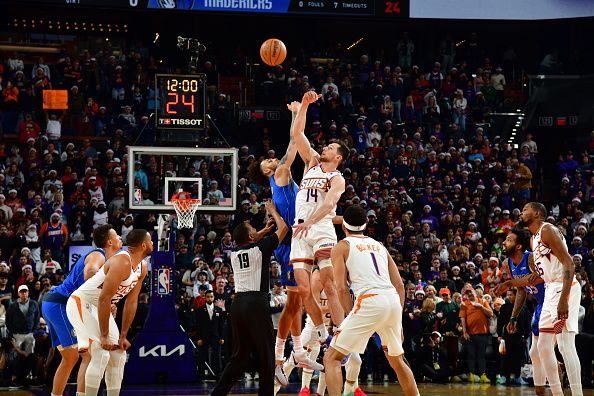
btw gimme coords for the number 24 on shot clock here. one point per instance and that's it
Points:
(181, 101)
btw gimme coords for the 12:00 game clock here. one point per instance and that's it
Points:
(181, 103)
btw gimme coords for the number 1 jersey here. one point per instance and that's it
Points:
(367, 265)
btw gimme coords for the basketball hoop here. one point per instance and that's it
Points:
(185, 209)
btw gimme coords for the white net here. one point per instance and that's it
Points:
(185, 209)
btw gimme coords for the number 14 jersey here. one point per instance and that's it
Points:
(312, 192)
(367, 265)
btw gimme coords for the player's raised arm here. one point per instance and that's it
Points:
(552, 237)
(306, 152)
(339, 256)
(118, 271)
(284, 164)
(130, 309)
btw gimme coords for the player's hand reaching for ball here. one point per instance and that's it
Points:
(310, 97)
(294, 106)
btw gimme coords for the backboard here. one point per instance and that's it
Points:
(155, 174)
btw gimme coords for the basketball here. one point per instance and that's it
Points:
(273, 52)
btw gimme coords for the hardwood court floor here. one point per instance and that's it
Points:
(376, 389)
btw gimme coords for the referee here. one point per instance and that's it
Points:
(251, 322)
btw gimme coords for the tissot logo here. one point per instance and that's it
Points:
(161, 350)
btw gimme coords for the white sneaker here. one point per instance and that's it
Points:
(280, 376)
(369, 378)
(256, 376)
(302, 360)
(248, 377)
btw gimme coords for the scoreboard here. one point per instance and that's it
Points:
(365, 8)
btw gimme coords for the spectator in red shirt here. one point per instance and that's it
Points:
(28, 129)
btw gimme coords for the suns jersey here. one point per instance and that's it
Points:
(547, 264)
(367, 265)
(312, 192)
(91, 289)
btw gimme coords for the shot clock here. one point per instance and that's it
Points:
(181, 102)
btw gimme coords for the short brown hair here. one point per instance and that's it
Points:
(101, 235)
(343, 150)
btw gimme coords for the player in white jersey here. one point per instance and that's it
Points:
(559, 316)
(379, 289)
(313, 233)
(89, 311)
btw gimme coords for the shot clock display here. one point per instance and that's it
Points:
(181, 101)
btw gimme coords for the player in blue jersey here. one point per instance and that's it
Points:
(53, 308)
(277, 173)
(520, 264)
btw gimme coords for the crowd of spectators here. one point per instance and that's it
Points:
(440, 187)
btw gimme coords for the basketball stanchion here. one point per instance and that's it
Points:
(162, 351)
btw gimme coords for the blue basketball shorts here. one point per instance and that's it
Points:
(282, 254)
(60, 329)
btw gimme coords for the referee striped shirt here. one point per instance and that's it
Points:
(251, 265)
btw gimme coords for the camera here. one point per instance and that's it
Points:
(190, 44)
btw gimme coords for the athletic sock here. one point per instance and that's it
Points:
(306, 378)
(279, 348)
(348, 388)
(297, 346)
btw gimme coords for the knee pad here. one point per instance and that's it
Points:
(96, 369)
(115, 370)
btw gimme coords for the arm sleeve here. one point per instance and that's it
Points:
(268, 244)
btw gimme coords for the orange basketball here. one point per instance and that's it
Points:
(273, 52)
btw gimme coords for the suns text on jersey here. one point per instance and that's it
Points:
(318, 183)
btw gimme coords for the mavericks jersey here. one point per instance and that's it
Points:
(76, 277)
(548, 265)
(523, 269)
(368, 265)
(91, 289)
(284, 198)
(312, 192)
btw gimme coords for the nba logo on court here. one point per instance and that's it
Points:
(163, 287)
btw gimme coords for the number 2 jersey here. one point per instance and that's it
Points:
(312, 193)
(523, 269)
(91, 289)
(367, 265)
